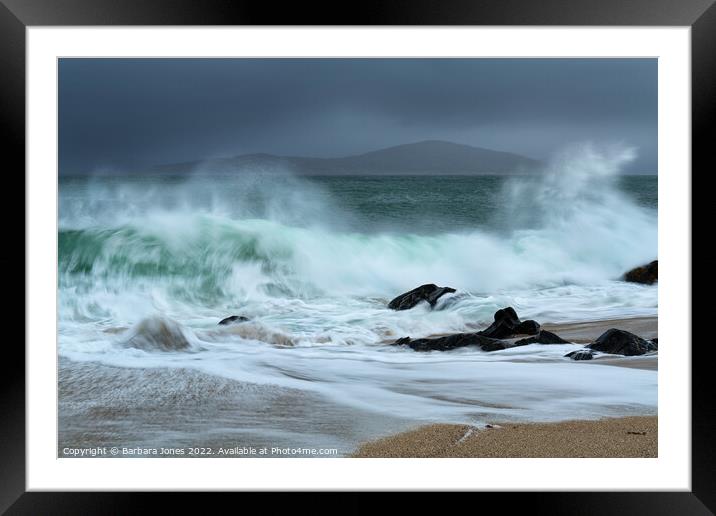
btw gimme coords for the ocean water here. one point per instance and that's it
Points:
(148, 265)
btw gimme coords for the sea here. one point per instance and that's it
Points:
(148, 264)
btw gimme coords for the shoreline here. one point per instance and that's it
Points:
(626, 437)
(109, 405)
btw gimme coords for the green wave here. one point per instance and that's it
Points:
(132, 252)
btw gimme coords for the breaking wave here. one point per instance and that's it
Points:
(149, 265)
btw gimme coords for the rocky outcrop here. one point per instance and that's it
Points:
(616, 342)
(580, 354)
(646, 274)
(543, 337)
(233, 319)
(429, 292)
(455, 341)
(507, 324)
(621, 342)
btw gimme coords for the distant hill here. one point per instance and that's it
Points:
(427, 157)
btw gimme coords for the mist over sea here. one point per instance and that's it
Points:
(148, 265)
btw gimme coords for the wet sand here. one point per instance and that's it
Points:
(619, 437)
(104, 406)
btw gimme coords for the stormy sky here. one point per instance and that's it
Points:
(124, 114)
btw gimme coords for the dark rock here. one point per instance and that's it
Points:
(506, 321)
(234, 319)
(507, 324)
(458, 340)
(646, 274)
(507, 314)
(528, 327)
(655, 342)
(580, 354)
(620, 342)
(543, 337)
(430, 293)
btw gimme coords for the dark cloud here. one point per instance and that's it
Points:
(129, 113)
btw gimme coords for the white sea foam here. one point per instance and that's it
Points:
(169, 261)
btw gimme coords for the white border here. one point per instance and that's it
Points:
(671, 471)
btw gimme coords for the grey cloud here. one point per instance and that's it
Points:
(121, 113)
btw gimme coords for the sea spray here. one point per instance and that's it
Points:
(570, 225)
(149, 265)
(575, 218)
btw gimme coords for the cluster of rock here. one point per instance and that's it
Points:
(502, 333)
(505, 326)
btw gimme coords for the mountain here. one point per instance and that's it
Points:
(427, 157)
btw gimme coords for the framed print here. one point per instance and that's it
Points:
(438, 249)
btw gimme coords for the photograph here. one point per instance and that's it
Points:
(357, 257)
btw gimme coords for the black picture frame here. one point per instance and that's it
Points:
(17, 15)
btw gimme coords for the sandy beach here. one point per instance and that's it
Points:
(617, 437)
